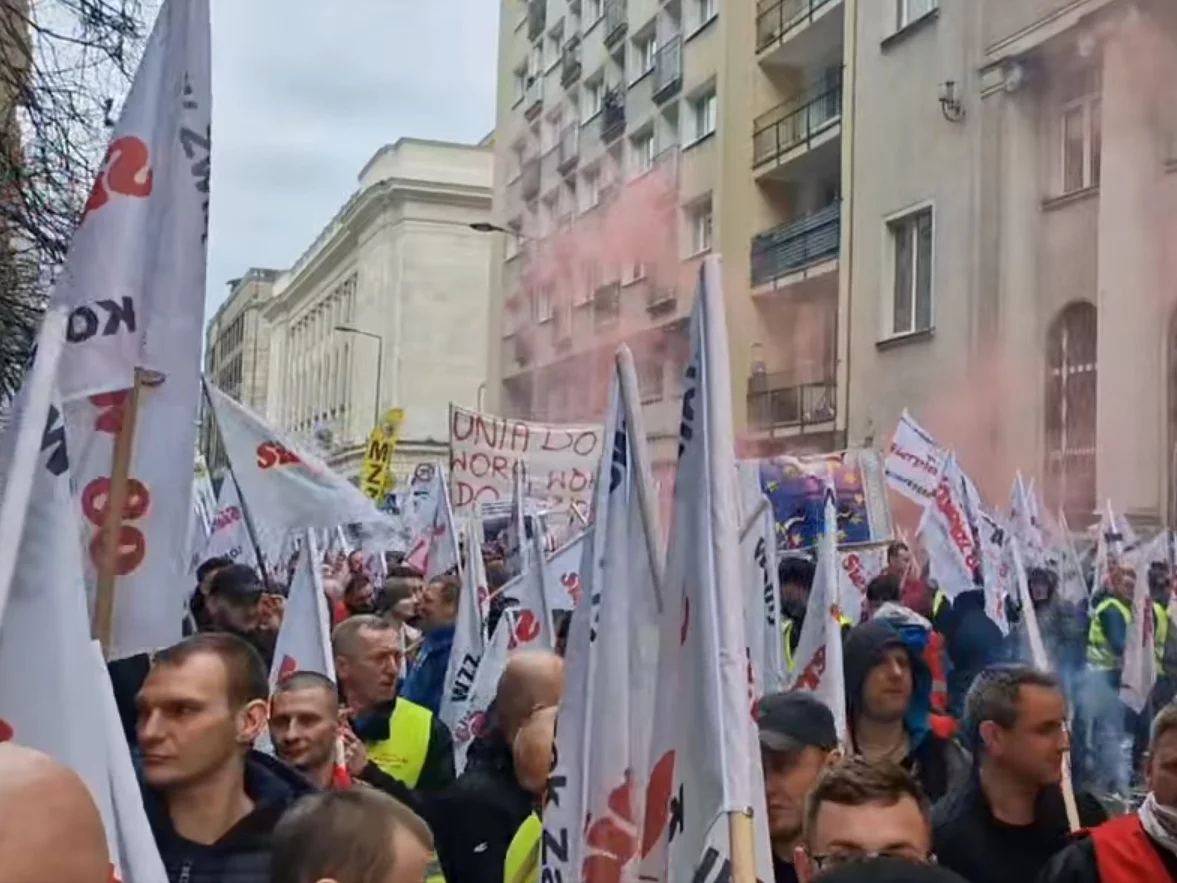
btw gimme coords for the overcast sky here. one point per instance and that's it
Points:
(305, 91)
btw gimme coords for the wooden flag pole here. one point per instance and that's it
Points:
(116, 504)
(743, 847)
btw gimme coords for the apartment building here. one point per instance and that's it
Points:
(387, 307)
(634, 137)
(237, 351)
(1015, 204)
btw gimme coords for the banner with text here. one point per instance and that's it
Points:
(558, 461)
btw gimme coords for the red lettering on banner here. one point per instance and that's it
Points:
(852, 564)
(6, 731)
(131, 545)
(125, 170)
(456, 432)
(225, 518)
(961, 535)
(658, 807)
(810, 678)
(288, 667)
(479, 464)
(579, 445)
(520, 437)
(466, 493)
(490, 435)
(579, 481)
(571, 582)
(499, 467)
(546, 446)
(470, 726)
(272, 453)
(526, 629)
(908, 457)
(612, 839)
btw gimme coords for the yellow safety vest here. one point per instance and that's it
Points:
(522, 862)
(787, 632)
(1099, 652)
(1160, 634)
(938, 601)
(402, 754)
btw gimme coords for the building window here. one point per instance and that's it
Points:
(701, 227)
(650, 378)
(908, 11)
(555, 43)
(705, 10)
(642, 153)
(645, 50)
(590, 99)
(1081, 129)
(911, 250)
(1070, 412)
(590, 193)
(702, 118)
(520, 86)
(541, 300)
(593, 10)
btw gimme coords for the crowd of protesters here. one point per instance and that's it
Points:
(953, 763)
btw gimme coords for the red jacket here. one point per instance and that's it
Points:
(1124, 854)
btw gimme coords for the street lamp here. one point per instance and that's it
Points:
(347, 329)
(488, 227)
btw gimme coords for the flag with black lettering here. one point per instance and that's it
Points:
(954, 549)
(597, 790)
(705, 744)
(229, 537)
(762, 593)
(476, 717)
(288, 489)
(470, 628)
(134, 286)
(52, 684)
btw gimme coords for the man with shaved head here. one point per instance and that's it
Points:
(39, 800)
(482, 811)
(533, 763)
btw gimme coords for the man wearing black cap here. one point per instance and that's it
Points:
(797, 741)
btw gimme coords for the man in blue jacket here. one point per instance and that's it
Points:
(438, 612)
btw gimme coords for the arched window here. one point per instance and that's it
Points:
(1070, 412)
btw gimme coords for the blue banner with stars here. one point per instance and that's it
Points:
(794, 485)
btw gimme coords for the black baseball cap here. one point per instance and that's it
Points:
(237, 582)
(796, 720)
(887, 870)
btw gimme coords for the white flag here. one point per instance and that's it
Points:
(562, 580)
(1140, 661)
(435, 550)
(705, 731)
(304, 641)
(50, 679)
(818, 668)
(230, 534)
(762, 594)
(134, 283)
(857, 567)
(287, 489)
(204, 499)
(486, 685)
(469, 630)
(914, 461)
(600, 776)
(1116, 538)
(1025, 524)
(952, 544)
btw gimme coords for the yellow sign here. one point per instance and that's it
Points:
(376, 478)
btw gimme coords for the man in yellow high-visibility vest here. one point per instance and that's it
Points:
(533, 755)
(1106, 638)
(796, 580)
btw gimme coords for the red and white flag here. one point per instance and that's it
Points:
(857, 567)
(705, 744)
(229, 537)
(134, 287)
(473, 721)
(470, 628)
(1140, 660)
(953, 547)
(435, 549)
(288, 489)
(304, 641)
(600, 775)
(52, 680)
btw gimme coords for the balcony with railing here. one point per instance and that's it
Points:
(606, 303)
(797, 123)
(530, 179)
(776, 402)
(779, 21)
(570, 62)
(533, 97)
(615, 22)
(568, 152)
(612, 114)
(797, 245)
(668, 70)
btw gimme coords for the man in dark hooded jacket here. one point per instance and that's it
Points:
(211, 800)
(974, 643)
(888, 697)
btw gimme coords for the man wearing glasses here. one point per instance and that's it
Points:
(861, 810)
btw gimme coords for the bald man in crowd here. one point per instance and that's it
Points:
(39, 800)
(533, 763)
(478, 817)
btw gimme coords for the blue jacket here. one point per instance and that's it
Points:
(974, 643)
(425, 681)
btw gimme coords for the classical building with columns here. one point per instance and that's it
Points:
(1011, 252)
(388, 307)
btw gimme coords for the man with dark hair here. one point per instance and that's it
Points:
(1007, 820)
(401, 737)
(796, 579)
(1136, 847)
(861, 809)
(889, 707)
(359, 596)
(798, 740)
(211, 800)
(887, 869)
(356, 836)
(198, 619)
(438, 613)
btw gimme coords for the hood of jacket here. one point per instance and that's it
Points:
(269, 783)
(865, 647)
(901, 616)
